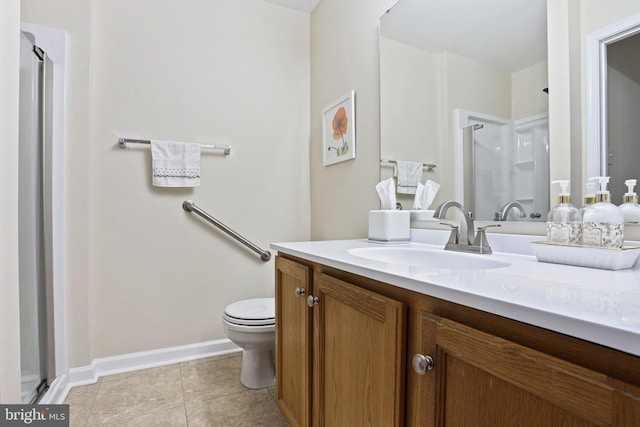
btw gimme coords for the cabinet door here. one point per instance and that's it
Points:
(421, 387)
(482, 380)
(293, 342)
(358, 356)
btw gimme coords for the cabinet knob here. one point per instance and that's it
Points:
(300, 292)
(422, 364)
(311, 301)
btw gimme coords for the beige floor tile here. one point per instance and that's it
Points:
(209, 389)
(150, 371)
(82, 395)
(80, 401)
(272, 392)
(248, 408)
(207, 378)
(78, 415)
(132, 396)
(172, 417)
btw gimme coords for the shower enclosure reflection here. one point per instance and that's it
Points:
(502, 162)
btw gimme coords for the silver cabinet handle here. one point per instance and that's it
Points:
(422, 364)
(300, 292)
(311, 301)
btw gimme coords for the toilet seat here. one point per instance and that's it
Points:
(251, 312)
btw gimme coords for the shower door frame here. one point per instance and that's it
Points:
(56, 43)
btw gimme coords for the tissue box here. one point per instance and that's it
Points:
(389, 226)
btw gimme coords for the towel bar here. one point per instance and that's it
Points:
(124, 141)
(428, 166)
(190, 206)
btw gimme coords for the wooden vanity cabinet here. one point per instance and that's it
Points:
(482, 380)
(486, 371)
(355, 361)
(294, 337)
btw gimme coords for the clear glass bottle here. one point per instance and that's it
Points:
(564, 222)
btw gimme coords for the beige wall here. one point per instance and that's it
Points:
(527, 97)
(410, 91)
(217, 72)
(143, 274)
(344, 56)
(9, 303)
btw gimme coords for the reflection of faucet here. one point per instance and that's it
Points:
(502, 214)
(466, 240)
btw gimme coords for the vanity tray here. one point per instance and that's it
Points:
(584, 256)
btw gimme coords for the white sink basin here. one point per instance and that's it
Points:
(429, 258)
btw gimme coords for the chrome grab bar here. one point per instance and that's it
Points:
(190, 206)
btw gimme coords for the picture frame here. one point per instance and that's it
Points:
(339, 130)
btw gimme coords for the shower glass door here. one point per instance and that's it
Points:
(33, 224)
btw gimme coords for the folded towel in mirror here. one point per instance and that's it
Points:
(409, 175)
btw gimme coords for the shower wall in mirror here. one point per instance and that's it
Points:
(488, 59)
(502, 162)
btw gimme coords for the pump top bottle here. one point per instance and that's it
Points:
(590, 195)
(603, 222)
(630, 207)
(564, 222)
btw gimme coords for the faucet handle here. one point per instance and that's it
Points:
(481, 239)
(481, 229)
(454, 237)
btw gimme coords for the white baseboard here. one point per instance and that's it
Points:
(60, 387)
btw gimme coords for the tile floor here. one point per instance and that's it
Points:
(205, 392)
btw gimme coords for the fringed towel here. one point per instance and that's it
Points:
(175, 164)
(409, 175)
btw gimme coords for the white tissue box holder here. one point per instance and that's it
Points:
(389, 226)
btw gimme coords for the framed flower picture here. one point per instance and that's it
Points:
(339, 130)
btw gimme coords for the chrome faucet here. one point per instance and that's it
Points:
(502, 214)
(466, 235)
(466, 240)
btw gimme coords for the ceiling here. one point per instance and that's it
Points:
(510, 34)
(303, 5)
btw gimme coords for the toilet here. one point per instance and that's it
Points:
(251, 325)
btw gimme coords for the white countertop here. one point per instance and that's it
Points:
(600, 306)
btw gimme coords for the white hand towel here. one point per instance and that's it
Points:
(175, 164)
(409, 175)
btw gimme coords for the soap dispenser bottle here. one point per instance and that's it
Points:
(630, 207)
(603, 223)
(590, 195)
(564, 222)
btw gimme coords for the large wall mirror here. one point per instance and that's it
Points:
(613, 106)
(463, 85)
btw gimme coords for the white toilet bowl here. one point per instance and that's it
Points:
(251, 325)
